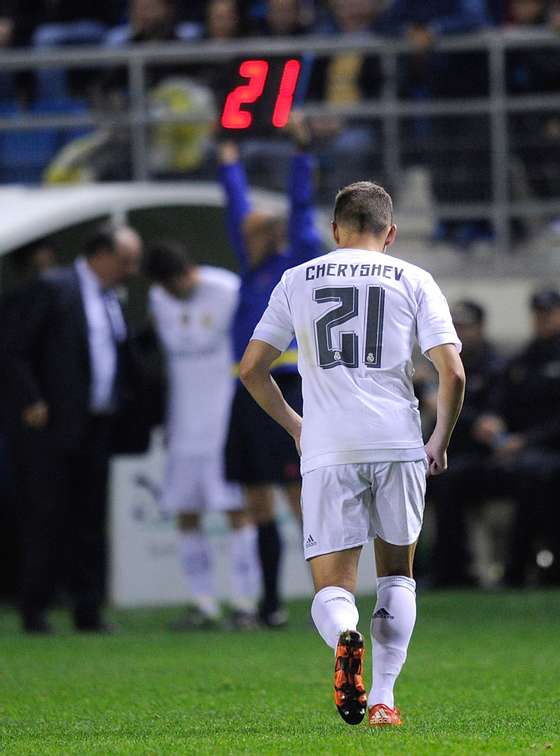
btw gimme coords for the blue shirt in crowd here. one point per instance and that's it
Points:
(442, 16)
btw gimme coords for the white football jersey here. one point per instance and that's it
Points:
(356, 315)
(196, 337)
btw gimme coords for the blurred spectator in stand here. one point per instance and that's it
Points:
(68, 369)
(346, 147)
(197, 11)
(497, 11)
(279, 18)
(223, 20)
(223, 23)
(457, 148)
(9, 82)
(554, 16)
(6, 25)
(152, 20)
(534, 70)
(524, 432)
(46, 25)
(460, 491)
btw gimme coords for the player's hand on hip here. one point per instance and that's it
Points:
(36, 415)
(437, 457)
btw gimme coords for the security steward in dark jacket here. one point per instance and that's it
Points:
(459, 490)
(524, 431)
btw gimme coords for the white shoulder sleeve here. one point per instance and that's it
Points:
(434, 325)
(275, 326)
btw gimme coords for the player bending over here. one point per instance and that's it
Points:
(192, 307)
(356, 314)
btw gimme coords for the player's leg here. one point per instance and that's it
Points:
(219, 495)
(336, 618)
(244, 573)
(399, 504)
(334, 606)
(335, 505)
(393, 620)
(260, 505)
(251, 460)
(244, 569)
(196, 561)
(182, 496)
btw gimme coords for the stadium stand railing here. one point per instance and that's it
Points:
(389, 109)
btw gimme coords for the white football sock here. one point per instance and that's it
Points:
(392, 624)
(244, 568)
(334, 610)
(194, 551)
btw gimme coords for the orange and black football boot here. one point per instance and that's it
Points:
(349, 691)
(381, 715)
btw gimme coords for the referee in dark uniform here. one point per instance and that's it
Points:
(66, 364)
(259, 454)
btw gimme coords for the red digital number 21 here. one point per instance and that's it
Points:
(245, 94)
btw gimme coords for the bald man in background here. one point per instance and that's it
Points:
(65, 356)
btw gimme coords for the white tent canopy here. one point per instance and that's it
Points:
(27, 214)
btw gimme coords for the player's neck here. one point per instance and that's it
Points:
(362, 241)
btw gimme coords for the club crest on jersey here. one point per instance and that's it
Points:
(207, 321)
(337, 356)
(185, 318)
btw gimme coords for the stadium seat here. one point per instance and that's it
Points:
(25, 154)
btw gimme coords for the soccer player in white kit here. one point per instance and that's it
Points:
(192, 308)
(356, 314)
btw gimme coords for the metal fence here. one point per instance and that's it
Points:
(389, 109)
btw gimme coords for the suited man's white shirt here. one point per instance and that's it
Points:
(106, 327)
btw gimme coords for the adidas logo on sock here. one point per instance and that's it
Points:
(382, 614)
(310, 542)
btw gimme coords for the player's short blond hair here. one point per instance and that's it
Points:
(364, 206)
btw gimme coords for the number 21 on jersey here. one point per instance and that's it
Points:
(347, 351)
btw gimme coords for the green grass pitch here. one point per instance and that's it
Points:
(483, 676)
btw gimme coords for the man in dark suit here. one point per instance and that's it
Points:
(67, 364)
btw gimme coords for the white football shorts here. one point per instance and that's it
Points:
(198, 484)
(347, 505)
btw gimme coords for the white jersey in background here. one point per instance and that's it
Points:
(356, 315)
(196, 337)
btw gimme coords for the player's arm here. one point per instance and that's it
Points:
(451, 390)
(255, 375)
(234, 182)
(305, 239)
